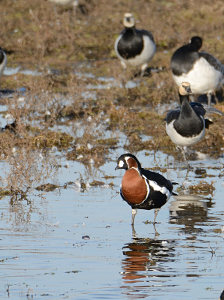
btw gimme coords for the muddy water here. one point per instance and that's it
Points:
(75, 243)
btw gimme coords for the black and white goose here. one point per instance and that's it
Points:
(3, 61)
(186, 125)
(202, 70)
(134, 47)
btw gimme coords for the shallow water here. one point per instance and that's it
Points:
(76, 242)
(13, 71)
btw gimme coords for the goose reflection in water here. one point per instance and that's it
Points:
(143, 264)
(190, 211)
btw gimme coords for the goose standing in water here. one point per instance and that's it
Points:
(186, 125)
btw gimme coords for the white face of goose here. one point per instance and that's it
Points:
(129, 20)
(185, 88)
(120, 164)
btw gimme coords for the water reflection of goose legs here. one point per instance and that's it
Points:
(134, 235)
(154, 222)
(183, 151)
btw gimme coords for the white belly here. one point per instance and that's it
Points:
(203, 78)
(179, 140)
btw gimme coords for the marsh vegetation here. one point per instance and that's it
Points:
(67, 111)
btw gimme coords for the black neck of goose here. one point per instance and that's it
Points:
(184, 98)
(186, 109)
(1, 57)
(130, 30)
(193, 47)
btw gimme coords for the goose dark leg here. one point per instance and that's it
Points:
(155, 215)
(134, 235)
(123, 64)
(123, 78)
(183, 151)
(209, 96)
(133, 212)
(143, 68)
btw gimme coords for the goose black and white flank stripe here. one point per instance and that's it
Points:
(3, 61)
(186, 126)
(140, 188)
(202, 70)
(134, 47)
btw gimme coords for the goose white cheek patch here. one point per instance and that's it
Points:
(120, 164)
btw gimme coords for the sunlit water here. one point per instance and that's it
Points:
(76, 242)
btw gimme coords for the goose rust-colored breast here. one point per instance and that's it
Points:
(134, 188)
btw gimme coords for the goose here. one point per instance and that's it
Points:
(186, 125)
(134, 47)
(141, 188)
(202, 70)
